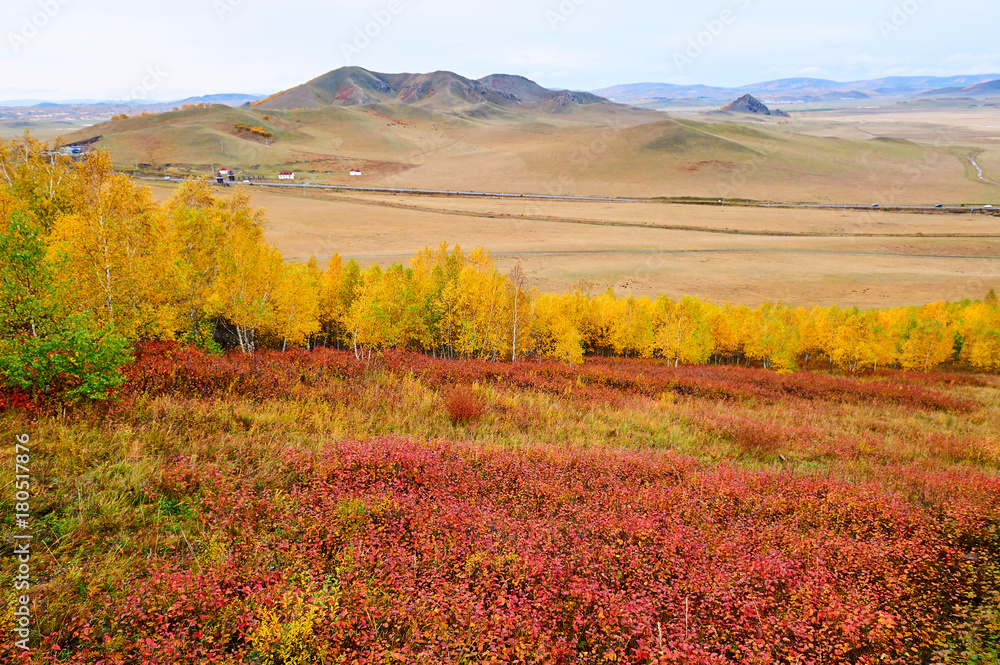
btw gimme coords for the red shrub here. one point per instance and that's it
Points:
(15, 399)
(462, 405)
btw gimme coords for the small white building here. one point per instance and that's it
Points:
(224, 172)
(286, 175)
(355, 171)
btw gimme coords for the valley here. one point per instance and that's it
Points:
(902, 155)
(679, 382)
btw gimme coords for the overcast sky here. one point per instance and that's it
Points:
(166, 50)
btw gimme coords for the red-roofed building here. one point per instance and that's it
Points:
(286, 175)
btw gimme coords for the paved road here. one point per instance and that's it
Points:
(589, 252)
(440, 192)
(505, 195)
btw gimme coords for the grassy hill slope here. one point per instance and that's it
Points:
(590, 149)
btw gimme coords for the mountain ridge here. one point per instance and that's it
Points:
(353, 86)
(524, 90)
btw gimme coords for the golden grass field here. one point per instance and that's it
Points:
(846, 267)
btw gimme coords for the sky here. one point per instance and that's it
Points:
(159, 50)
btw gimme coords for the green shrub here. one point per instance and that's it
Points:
(74, 361)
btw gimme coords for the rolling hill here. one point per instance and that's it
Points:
(507, 133)
(626, 154)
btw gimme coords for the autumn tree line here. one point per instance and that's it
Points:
(90, 264)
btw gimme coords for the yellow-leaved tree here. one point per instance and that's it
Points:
(205, 228)
(980, 330)
(684, 331)
(553, 333)
(929, 338)
(35, 181)
(115, 253)
(847, 341)
(880, 344)
(728, 324)
(385, 312)
(772, 337)
(250, 272)
(435, 276)
(483, 308)
(631, 327)
(595, 317)
(817, 328)
(296, 303)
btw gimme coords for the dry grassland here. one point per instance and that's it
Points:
(741, 268)
(915, 156)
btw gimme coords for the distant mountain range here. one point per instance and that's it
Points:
(17, 103)
(229, 99)
(979, 90)
(443, 90)
(806, 89)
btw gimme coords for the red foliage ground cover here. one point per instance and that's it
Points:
(402, 551)
(164, 368)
